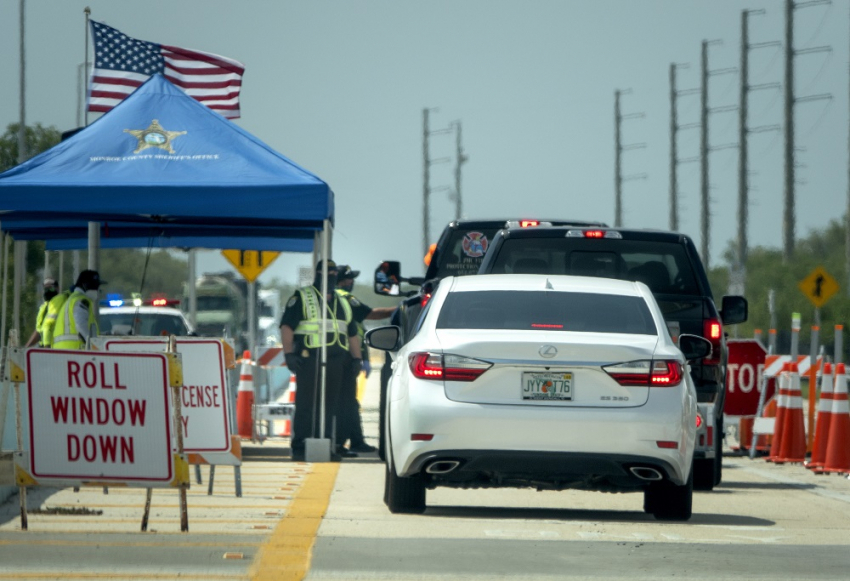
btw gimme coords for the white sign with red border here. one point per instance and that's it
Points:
(204, 399)
(103, 417)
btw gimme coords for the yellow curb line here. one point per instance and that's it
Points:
(287, 554)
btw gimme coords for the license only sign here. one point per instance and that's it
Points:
(744, 375)
(99, 417)
(203, 396)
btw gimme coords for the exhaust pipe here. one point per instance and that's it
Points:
(645, 473)
(442, 466)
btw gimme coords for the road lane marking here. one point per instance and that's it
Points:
(287, 553)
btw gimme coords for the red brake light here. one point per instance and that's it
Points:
(424, 300)
(713, 331)
(446, 367)
(529, 223)
(594, 234)
(651, 373)
(699, 421)
(545, 326)
(666, 373)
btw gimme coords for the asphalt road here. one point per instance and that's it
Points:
(328, 522)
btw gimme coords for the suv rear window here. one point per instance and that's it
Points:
(547, 311)
(464, 252)
(663, 267)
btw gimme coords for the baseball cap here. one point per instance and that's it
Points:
(50, 282)
(90, 279)
(331, 266)
(346, 273)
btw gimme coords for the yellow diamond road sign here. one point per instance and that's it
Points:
(250, 263)
(819, 286)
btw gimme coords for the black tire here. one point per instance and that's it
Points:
(404, 495)
(667, 501)
(718, 451)
(704, 474)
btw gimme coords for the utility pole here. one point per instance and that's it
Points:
(674, 152)
(743, 137)
(619, 148)
(788, 214)
(427, 162)
(22, 128)
(705, 200)
(460, 159)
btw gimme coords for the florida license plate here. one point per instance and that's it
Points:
(547, 386)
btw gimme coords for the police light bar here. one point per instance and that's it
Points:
(162, 302)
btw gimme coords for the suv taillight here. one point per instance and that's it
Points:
(659, 373)
(713, 331)
(425, 365)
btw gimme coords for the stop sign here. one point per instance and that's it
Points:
(744, 377)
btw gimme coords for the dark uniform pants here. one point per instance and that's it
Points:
(305, 423)
(350, 408)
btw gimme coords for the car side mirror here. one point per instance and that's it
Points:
(694, 347)
(387, 278)
(734, 310)
(384, 338)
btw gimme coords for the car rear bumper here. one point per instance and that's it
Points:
(542, 470)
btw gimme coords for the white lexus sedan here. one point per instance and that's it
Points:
(541, 381)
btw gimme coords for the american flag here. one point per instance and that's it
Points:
(122, 63)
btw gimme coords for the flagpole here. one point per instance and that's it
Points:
(86, 68)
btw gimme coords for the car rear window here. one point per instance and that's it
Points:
(664, 267)
(464, 251)
(546, 311)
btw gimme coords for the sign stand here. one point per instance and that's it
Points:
(17, 378)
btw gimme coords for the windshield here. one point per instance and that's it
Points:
(663, 267)
(547, 311)
(145, 324)
(214, 303)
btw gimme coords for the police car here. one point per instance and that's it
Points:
(147, 318)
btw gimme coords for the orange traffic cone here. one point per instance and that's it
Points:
(822, 422)
(783, 385)
(838, 443)
(245, 398)
(793, 445)
(289, 397)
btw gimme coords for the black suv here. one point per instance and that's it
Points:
(669, 265)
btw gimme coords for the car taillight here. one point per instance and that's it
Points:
(424, 300)
(699, 421)
(713, 331)
(446, 367)
(529, 223)
(651, 373)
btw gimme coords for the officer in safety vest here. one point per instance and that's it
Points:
(352, 427)
(51, 289)
(302, 338)
(77, 319)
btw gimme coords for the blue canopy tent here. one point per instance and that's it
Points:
(161, 169)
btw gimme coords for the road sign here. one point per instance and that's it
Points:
(744, 373)
(819, 286)
(102, 417)
(250, 263)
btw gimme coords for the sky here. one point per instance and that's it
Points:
(339, 87)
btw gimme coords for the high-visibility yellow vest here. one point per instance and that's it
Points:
(311, 323)
(65, 334)
(361, 330)
(39, 322)
(49, 324)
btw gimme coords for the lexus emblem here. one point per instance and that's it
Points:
(548, 351)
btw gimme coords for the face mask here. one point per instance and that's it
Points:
(317, 282)
(347, 286)
(92, 294)
(49, 294)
